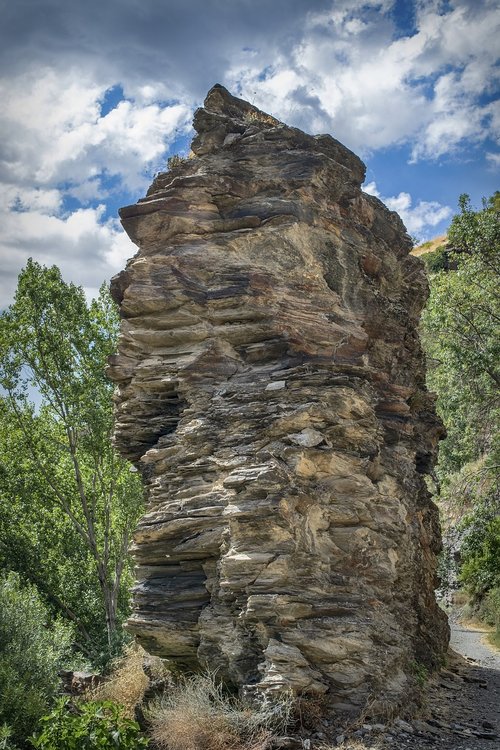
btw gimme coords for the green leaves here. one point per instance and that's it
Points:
(97, 725)
(31, 653)
(461, 333)
(58, 467)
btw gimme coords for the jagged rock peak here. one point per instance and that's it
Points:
(224, 117)
(271, 392)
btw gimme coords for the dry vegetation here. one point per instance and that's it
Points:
(347, 745)
(196, 714)
(255, 115)
(127, 683)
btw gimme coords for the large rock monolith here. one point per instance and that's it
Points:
(271, 392)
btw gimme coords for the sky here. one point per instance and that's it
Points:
(96, 96)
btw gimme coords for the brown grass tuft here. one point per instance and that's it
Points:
(127, 682)
(196, 715)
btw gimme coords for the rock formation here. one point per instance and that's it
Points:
(271, 392)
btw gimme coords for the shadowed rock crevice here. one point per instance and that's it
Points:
(271, 391)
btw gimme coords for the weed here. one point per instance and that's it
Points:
(420, 672)
(176, 161)
(254, 115)
(87, 726)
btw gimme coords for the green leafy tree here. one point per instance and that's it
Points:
(55, 346)
(32, 650)
(39, 542)
(461, 334)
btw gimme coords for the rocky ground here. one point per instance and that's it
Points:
(461, 708)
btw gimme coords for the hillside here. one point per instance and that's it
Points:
(430, 245)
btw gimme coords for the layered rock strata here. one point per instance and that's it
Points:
(271, 392)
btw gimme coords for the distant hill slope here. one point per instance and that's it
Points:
(430, 246)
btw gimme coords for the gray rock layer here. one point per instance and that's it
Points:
(271, 392)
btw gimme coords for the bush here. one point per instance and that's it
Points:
(31, 653)
(196, 714)
(97, 725)
(175, 161)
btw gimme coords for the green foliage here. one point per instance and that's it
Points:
(420, 672)
(481, 553)
(6, 741)
(31, 653)
(461, 335)
(491, 613)
(437, 260)
(97, 725)
(68, 501)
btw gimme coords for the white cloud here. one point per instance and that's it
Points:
(55, 143)
(419, 219)
(56, 133)
(341, 67)
(372, 90)
(87, 248)
(494, 159)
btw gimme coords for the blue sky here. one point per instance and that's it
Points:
(97, 95)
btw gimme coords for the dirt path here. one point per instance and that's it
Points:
(469, 642)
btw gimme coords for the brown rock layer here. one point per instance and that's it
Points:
(271, 392)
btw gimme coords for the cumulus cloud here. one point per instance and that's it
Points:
(56, 143)
(87, 248)
(339, 66)
(55, 133)
(373, 88)
(420, 219)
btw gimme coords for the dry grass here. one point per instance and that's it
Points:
(309, 710)
(127, 682)
(197, 715)
(430, 246)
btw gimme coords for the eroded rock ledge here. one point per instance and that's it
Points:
(271, 392)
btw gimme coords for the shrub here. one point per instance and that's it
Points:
(490, 609)
(436, 260)
(31, 653)
(196, 714)
(97, 725)
(175, 161)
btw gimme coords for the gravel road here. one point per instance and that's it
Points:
(469, 642)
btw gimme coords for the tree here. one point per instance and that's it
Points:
(54, 347)
(460, 332)
(461, 327)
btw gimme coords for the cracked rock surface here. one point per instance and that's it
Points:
(271, 392)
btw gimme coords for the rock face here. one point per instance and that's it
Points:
(271, 392)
